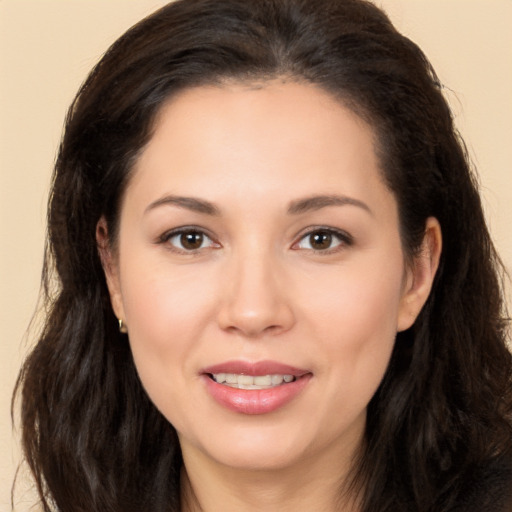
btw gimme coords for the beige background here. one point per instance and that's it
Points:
(46, 49)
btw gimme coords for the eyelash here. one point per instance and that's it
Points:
(188, 230)
(343, 239)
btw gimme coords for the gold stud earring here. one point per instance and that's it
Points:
(122, 327)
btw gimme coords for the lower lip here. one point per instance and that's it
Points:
(255, 401)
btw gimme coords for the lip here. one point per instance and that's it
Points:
(255, 368)
(255, 401)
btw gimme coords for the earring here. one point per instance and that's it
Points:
(122, 327)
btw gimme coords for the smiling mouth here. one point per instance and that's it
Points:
(242, 381)
(259, 387)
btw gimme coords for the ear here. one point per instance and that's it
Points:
(420, 275)
(110, 265)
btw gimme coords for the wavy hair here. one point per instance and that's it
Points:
(443, 413)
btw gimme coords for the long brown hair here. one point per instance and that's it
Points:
(443, 413)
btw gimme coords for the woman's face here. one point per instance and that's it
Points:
(259, 247)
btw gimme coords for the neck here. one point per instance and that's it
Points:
(320, 484)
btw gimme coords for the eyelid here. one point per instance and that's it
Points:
(346, 240)
(171, 233)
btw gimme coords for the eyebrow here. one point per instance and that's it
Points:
(296, 207)
(189, 203)
(322, 201)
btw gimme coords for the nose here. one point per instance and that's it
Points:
(255, 298)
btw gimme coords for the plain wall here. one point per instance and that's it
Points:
(46, 50)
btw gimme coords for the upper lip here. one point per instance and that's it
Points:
(255, 368)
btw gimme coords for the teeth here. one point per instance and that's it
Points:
(245, 380)
(277, 379)
(263, 380)
(230, 378)
(251, 382)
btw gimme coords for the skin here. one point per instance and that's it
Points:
(257, 289)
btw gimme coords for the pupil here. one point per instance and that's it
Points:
(321, 240)
(191, 240)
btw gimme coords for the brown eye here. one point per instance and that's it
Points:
(324, 240)
(192, 240)
(189, 240)
(320, 240)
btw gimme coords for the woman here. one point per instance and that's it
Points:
(276, 288)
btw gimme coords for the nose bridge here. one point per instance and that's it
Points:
(255, 298)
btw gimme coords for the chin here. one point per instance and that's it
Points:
(254, 457)
(259, 448)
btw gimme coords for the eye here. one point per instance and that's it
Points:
(188, 240)
(323, 239)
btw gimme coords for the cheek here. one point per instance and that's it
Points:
(166, 311)
(361, 299)
(160, 297)
(354, 318)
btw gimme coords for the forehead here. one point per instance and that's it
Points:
(238, 129)
(259, 109)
